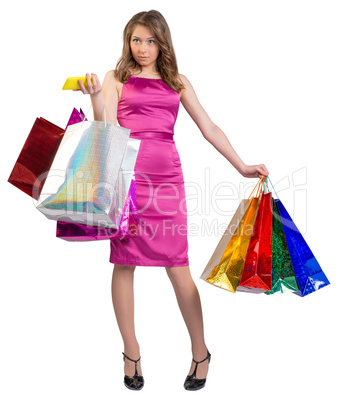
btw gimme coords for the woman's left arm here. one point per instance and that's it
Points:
(213, 134)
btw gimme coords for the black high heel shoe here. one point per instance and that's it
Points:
(137, 381)
(192, 383)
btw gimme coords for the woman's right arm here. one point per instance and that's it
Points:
(103, 96)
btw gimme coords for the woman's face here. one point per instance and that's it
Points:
(144, 48)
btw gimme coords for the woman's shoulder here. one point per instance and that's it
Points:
(110, 75)
(183, 78)
(112, 80)
(111, 85)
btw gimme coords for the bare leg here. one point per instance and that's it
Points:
(123, 303)
(190, 306)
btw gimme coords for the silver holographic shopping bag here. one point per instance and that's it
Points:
(85, 183)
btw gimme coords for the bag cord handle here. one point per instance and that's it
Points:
(259, 183)
(88, 112)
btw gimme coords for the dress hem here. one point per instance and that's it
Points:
(150, 263)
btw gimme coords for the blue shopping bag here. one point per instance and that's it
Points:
(309, 275)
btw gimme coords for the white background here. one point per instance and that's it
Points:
(266, 72)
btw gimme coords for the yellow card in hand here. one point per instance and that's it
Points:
(72, 82)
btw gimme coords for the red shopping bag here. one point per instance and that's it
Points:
(257, 272)
(36, 157)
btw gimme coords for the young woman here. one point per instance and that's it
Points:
(144, 93)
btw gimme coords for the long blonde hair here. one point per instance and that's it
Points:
(166, 64)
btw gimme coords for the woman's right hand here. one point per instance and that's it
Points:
(92, 89)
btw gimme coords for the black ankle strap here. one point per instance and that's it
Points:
(208, 356)
(135, 361)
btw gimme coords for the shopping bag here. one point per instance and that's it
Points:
(225, 239)
(82, 185)
(128, 227)
(309, 275)
(257, 272)
(35, 159)
(76, 117)
(81, 232)
(283, 276)
(72, 231)
(226, 274)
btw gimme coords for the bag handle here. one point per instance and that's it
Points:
(273, 188)
(259, 183)
(260, 192)
(85, 115)
(266, 186)
(262, 183)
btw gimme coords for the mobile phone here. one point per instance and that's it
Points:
(72, 82)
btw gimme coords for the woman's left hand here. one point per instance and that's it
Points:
(255, 171)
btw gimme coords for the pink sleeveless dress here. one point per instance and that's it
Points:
(149, 108)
